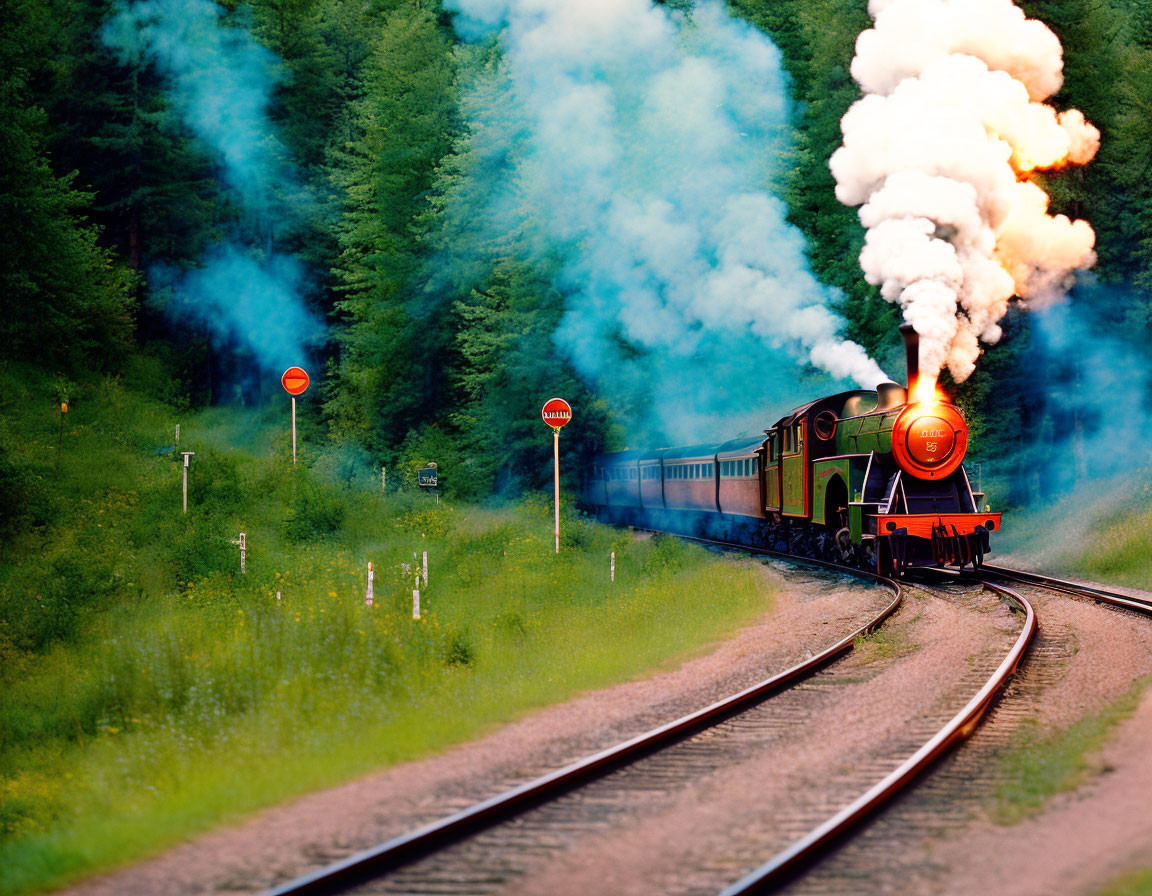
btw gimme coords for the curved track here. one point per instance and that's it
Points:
(807, 849)
(410, 847)
(1062, 586)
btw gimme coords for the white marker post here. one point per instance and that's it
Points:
(187, 454)
(243, 553)
(368, 593)
(177, 433)
(295, 381)
(556, 413)
(416, 599)
(384, 479)
(425, 569)
(612, 567)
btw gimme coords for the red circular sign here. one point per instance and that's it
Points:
(295, 380)
(556, 412)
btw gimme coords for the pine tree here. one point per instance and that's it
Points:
(66, 301)
(389, 364)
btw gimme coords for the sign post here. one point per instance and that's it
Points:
(295, 381)
(556, 413)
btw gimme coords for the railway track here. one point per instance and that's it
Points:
(1062, 586)
(402, 851)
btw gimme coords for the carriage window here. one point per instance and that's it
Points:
(772, 448)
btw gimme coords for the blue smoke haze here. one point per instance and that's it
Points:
(640, 144)
(1083, 456)
(248, 301)
(220, 81)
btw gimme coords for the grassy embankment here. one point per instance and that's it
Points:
(1037, 766)
(149, 691)
(1138, 884)
(1102, 533)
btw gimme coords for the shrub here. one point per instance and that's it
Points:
(460, 650)
(314, 511)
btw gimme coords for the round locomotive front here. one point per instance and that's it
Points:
(930, 439)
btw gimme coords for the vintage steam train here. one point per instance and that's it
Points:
(866, 478)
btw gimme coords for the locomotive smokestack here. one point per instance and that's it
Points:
(912, 348)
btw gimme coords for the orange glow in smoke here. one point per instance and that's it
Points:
(925, 391)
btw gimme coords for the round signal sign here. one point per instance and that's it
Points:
(295, 380)
(556, 412)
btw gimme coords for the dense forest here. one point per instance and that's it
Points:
(340, 214)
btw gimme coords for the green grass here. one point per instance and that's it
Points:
(884, 643)
(1102, 533)
(148, 691)
(1037, 767)
(1138, 884)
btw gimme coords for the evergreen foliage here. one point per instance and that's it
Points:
(442, 338)
(66, 300)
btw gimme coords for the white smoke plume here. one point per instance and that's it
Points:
(643, 141)
(938, 153)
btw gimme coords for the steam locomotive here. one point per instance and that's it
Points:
(869, 478)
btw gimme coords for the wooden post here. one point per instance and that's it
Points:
(243, 553)
(416, 599)
(612, 567)
(187, 455)
(425, 569)
(384, 479)
(60, 446)
(368, 596)
(177, 433)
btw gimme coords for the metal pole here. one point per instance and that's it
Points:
(293, 430)
(556, 467)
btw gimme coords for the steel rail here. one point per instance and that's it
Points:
(802, 852)
(1065, 587)
(409, 847)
